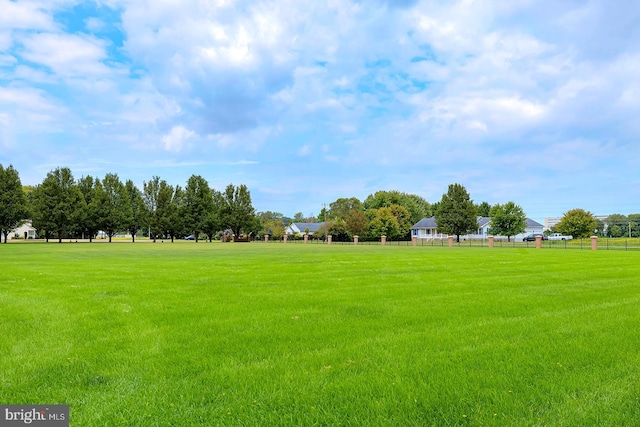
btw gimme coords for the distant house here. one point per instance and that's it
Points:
(427, 229)
(300, 227)
(25, 231)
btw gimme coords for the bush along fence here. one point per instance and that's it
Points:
(592, 243)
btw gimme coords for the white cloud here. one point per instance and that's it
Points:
(176, 138)
(68, 55)
(24, 15)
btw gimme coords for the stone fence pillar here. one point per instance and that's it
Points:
(306, 238)
(284, 238)
(355, 240)
(414, 240)
(266, 238)
(450, 241)
(538, 242)
(490, 241)
(329, 239)
(383, 240)
(594, 243)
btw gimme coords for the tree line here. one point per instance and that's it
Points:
(64, 207)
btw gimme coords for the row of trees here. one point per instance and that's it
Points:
(64, 207)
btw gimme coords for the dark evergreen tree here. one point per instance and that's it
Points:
(197, 204)
(138, 217)
(456, 214)
(57, 204)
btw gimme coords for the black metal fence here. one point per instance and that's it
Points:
(604, 243)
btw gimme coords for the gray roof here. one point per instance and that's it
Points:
(532, 223)
(312, 226)
(482, 221)
(425, 223)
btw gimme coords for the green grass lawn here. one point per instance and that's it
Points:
(189, 334)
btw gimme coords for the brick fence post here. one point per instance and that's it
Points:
(266, 238)
(355, 240)
(594, 243)
(306, 238)
(414, 240)
(450, 239)
(329, 239)
(490, 241)
(383, 240)
(538, 242)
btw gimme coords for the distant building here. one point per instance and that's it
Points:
(25, 231)
(427, 229)
(300, 227)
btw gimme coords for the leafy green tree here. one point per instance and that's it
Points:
(456, 214)
(484, 209)
(175, 224)
(136, 202)
(404, 221)
(417, 206)
(615, 231)
(507, 220)
(197, 204)
(577, 223)
(237, 212)
(88, 226)
(112, 200)
(57, 204)
(158, 199)
(384, 223)
(621, 222)
(213, 221)
(357, 223)
(341, 207)
(13, 203)
(271, 223)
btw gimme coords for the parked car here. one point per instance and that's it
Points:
(532, 237)
(190, 238)
(559, 236)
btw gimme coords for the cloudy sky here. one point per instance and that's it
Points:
(536, 102)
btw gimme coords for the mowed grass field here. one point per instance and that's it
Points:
(257, 334)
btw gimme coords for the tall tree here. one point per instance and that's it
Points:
(384, 223)
(13, 203)
(174, 222)
(417, 206)
(213, 222)
(577, 223)
(138, 217)
(237, 212)
(88, 226)
(197, 204)
(507, 220)
(113, 205)
(456, 214)
(57, 204)
(342, 206)
(483, 209)
(150, 195)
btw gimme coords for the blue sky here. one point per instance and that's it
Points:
(535, 102)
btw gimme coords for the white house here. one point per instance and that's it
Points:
(25, 231)
(427, 229)
(300, 227)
